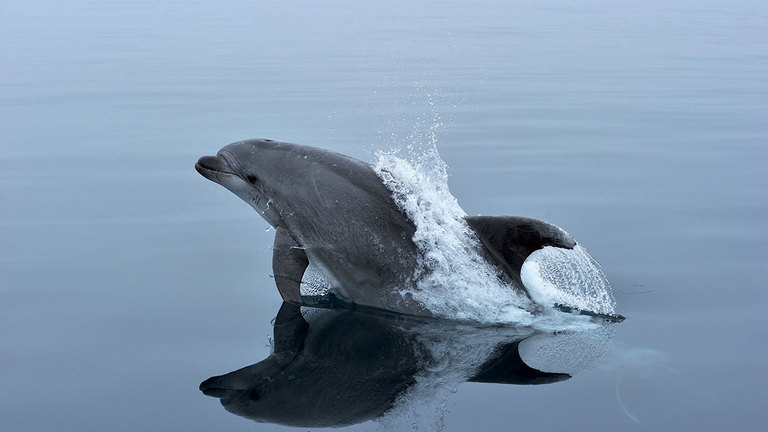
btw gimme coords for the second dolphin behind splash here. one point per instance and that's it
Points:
(332, 367)
(336, 213)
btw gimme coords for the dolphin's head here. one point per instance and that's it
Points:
(282, 180)
(254, 170)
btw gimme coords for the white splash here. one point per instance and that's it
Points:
(569, 277)
(453, 279)
(313, 283)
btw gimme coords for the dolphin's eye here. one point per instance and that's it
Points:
(253, 394)
(252, 179)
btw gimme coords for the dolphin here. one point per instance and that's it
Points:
(334, 212)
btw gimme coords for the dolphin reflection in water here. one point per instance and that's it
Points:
(336, 367)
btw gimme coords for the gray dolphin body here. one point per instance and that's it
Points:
(335, 212)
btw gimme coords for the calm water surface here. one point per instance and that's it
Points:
(126, 278)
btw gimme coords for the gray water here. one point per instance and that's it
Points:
(126, 278)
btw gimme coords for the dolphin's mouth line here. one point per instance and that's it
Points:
(213, 170)
(215, 165)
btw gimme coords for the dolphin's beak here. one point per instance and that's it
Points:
(213, 387)
(213, 168)
(212, 390)
(226, 386)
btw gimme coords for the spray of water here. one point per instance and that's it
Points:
(453, 279)
(569, 277)
(313, 283)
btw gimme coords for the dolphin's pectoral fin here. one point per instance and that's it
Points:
(507, 367)
(289, 332)
(288, 264)
(510, 239)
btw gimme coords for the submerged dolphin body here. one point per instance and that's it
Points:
(334, 211)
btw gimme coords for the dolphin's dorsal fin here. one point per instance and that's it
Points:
(509, 240)
(288, 263)
(289, 332)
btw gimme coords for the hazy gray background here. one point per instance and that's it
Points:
(126, 278)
